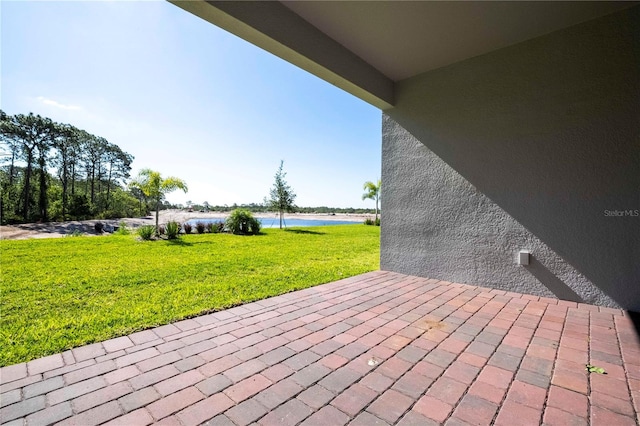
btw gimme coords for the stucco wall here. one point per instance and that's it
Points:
(527, 147)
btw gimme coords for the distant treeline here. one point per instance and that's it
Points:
(261, 208)
(55, 171)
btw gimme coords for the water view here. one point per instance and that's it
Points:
(270, 222)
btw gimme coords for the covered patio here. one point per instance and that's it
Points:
(375, 349)
(508, 129)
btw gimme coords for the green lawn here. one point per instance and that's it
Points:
(61, 293)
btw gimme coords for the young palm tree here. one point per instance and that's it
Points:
(373, 193)
(155, 187)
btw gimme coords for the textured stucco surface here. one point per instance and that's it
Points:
(436, 224)
(523, 148)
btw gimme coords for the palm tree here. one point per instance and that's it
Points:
(373, 193)
(153, 186)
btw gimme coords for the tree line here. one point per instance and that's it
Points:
(262, 208)
(55, 171)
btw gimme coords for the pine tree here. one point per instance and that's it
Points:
(281, 196)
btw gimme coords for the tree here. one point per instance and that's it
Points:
(140, 196)
(119, 166)
(44, 145)
(8, 139)
(95, 148)
(153, 186)
(65, 142)
(34, 135)
(41, 163)
(10, 149)
(373, 193)
(281, 196)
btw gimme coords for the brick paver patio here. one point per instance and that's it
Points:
(380, 348)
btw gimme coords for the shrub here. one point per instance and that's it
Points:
(187, 227)
(99, 227)
(372, 222)
(122, 229)
(107, 214)
(79, 207)
(200, 227)
(173, 230)
(215, 227)
(146, 232)
(242, 222)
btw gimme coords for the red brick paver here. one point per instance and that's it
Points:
(380, 348)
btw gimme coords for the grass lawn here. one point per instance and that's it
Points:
(61, 293)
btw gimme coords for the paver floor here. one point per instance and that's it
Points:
(380, 348)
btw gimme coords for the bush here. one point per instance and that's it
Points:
(372, 222)
(108, 214)
(242, 222)
(187, 227)
(146, 232)
(79, 207)
(122, 229)
(215, 227)
(173, 230)
(200, 227)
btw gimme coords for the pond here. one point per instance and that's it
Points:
(274, 222)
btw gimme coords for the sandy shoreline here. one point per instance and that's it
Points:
(60, 229)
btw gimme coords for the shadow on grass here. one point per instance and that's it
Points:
(304, 231)
(179, 242)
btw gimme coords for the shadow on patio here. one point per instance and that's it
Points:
(375, 349)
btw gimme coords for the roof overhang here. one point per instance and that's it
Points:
(364, 47)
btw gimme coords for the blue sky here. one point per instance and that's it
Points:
(189, 100)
